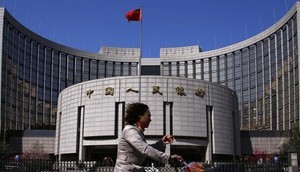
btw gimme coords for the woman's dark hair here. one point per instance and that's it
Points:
(134, 111)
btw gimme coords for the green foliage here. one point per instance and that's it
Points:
(5, 150)
(291, 145)
(3, 147)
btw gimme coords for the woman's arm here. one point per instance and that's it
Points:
(159, 145)
(133, 137)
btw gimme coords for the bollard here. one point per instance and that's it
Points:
(293, 162)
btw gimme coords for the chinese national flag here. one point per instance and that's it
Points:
(134, 15)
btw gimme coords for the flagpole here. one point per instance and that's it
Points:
(140, 58)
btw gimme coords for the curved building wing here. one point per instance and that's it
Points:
(203, 117)
(34, 71)
(262, 70)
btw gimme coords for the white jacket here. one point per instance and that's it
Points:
(133, 150)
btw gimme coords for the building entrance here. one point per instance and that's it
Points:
(106, 155)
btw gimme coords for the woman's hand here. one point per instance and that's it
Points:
(168, 139)
(176, 157)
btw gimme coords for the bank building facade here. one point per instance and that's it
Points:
(219, 104)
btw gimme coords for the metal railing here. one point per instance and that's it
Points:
(95, 166)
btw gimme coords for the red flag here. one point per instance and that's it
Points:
(134, 15)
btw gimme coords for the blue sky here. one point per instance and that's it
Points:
(89, 24)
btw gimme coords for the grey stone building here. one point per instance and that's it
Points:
(203, 117)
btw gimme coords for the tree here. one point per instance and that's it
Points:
(4, 150)
(260, 155)
(36, 159)
(36, 152)
(291, 145)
